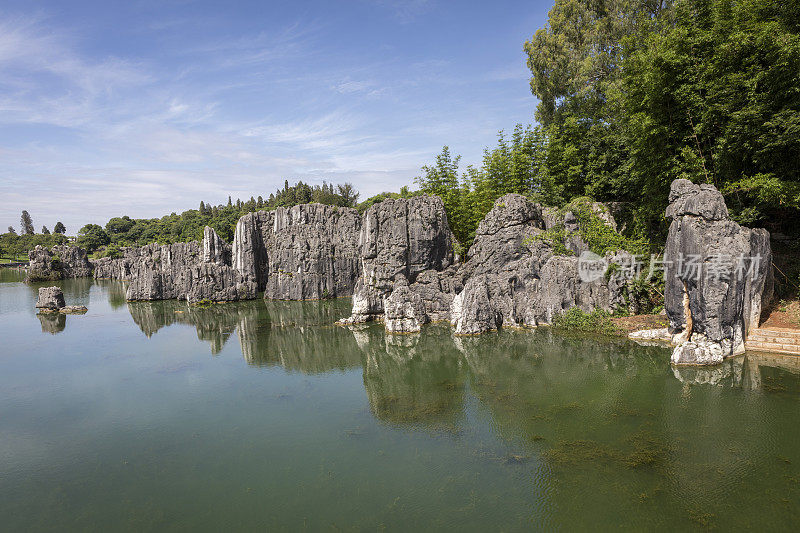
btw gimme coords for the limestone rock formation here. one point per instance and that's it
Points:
(186, 271)
(307, 251)
(404, 311)
(50, 299)
(60, 262)
(514, 278)
(399, 240)
(718, 276)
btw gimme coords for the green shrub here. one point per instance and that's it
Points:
(598, 321)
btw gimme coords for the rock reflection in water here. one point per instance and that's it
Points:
(52, 322)
(413, 379)
(307, 340)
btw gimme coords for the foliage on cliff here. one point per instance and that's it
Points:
(188, 226)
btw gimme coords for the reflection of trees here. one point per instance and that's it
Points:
(114, 291)
(52, 322)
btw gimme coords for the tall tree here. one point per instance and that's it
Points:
(45, 231)
(575, 62)
(441, 179)
(26, 223)
(712, 96)
(59, 228)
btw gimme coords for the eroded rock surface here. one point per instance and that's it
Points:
(60, 262)
(717, 272)
(305, 252)
(514, 278)
(399, 240)
(193, 271)
(50, 299)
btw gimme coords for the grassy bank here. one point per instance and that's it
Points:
(606, 323)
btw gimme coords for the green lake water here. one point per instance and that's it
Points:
(263, 415)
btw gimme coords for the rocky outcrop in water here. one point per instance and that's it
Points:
(512, 278)
(60, 262)
(50, 299)
(193, 271)
(399, 241)
(305, 252)
(515, 278)
(718, 276)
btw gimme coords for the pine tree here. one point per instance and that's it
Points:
(59, 228)
(26, 223)
(45, 231)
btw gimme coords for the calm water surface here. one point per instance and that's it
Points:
(154, 416)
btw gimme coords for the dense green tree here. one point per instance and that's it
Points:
(91, 237)
(636, 93)
(45, 231)
(59, 228)
(119, 225)
(712, 95)
(26, 223)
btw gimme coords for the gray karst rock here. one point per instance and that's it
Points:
(161, 272)
(404, 311)
(215, 250)
(187, 271)
(73, 310)
(308, 251)
(718, 276)
(513, 277)
(60, 262)
(50, 299)
(399, 240)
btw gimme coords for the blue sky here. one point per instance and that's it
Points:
(148, 107)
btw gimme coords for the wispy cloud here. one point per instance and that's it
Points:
(196, 110)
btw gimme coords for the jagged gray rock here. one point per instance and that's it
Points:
(307, 251)
(189, 271)
(404, 311)
(718, 271)
(60, 262)
(50, 299)
(513, 278)
(399, 240)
